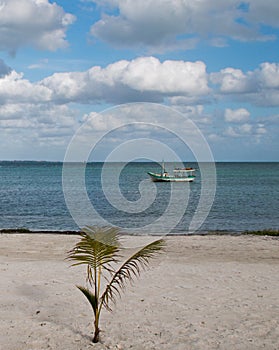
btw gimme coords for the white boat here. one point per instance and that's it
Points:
(179, 175)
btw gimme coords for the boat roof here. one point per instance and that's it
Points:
(180, 170)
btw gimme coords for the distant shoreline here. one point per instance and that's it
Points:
(265, 232)
(137, 162)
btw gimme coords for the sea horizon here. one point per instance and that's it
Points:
(135, 161)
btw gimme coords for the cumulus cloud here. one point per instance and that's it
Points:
(232, 81)
(26, 109)
(147, 79)
(268, 75)
(245, 128)
(13, 87)
(33, 22)
(254, 128)
(241, 130)
(36, 124)
(142, 79)
(261, 129)
(237, 115)
(40, 114)
(159, 23)
(261, 86)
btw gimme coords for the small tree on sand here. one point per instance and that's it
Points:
(99, 249)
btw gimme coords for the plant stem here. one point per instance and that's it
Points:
(96, 335)
(96, 328)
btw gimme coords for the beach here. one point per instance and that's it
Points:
(203, 292)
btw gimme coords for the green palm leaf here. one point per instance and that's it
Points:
(129, 269)
(98, 247)
(90, 297)
(106, 235)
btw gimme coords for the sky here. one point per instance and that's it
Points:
(66, 65)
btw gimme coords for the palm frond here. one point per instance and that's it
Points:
(104, 234)
(98, 247)
(90, 297)
(129, 269)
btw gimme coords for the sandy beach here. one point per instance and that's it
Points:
(204, 292)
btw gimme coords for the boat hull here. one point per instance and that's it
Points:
(164, 178)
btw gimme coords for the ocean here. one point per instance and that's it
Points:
(32, 197)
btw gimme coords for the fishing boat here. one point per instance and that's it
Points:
(179, 175)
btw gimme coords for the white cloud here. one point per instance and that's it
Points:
(34, 131)
(158, 23)
(268, 75)
(14, 88)
(171, 77)
(232, 81)
(261, 129)
(237, 115)
(260, 87)
(15, 124)
(245, 128)
(144, 78)
(96, 122)
(11, 111)
(33, 22)
(231, 132)
(255, 129)
(36, 124)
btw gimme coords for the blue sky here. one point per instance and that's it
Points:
(62, 63)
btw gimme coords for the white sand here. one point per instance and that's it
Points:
(204, 292)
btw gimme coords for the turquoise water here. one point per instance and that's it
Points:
(31, 196)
